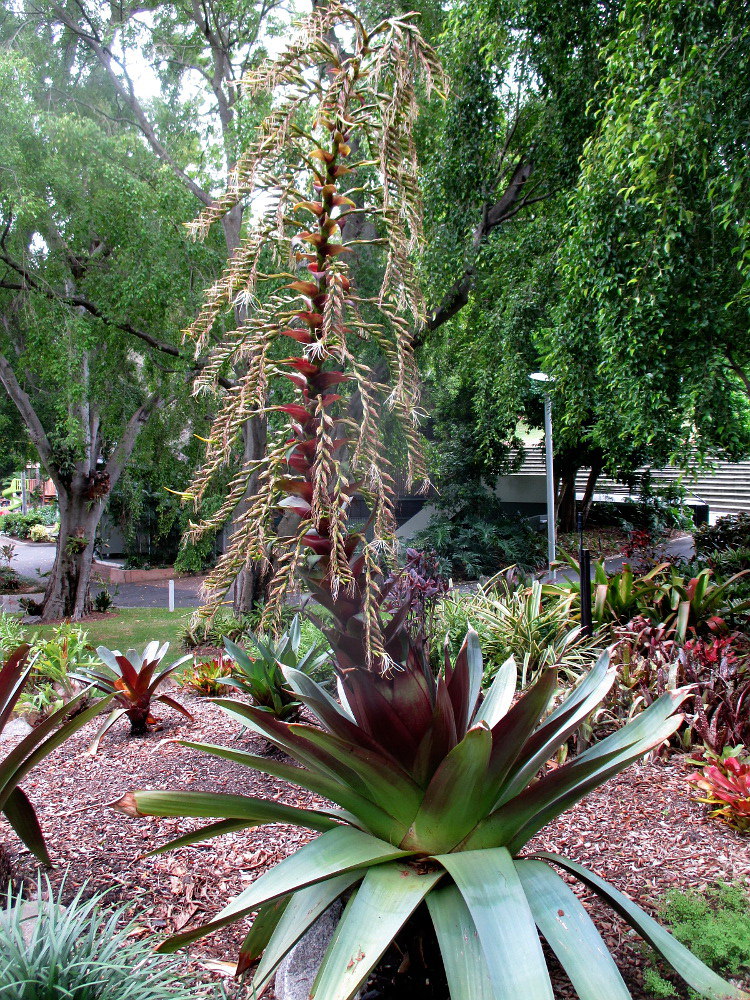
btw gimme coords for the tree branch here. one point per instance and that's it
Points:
(29, 281)
(28, 414)
(509, 204)
(119, 457)
(127, 93)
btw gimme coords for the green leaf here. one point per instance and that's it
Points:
(463, 958)
(301, 684)
(265, 922)
(389, 894)
(691, 969)
(21, 815)
(334, 853)
(571, 934)
(220, 805)
(563, 721)
(378, 820)
(498, 699)
(494, 895)
(453, 801)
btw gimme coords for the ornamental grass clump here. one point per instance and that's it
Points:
(80, 951)
(436, 789)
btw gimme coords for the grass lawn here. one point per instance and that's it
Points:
(132, 628)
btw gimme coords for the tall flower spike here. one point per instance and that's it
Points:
(318, 457)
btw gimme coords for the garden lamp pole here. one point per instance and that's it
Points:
(543, 378)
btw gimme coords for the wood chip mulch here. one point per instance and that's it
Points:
(641, 831)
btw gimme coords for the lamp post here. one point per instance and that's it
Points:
(545, 380)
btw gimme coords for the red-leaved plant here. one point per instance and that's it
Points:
(724, 785)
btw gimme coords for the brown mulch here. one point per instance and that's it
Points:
(641, 831)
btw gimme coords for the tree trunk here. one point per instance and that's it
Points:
(67, 593)
(597, 464)
(566, 503)
(251, 585)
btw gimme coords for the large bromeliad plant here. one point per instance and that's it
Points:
(434, 789)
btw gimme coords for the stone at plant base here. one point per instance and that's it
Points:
(29, 917)
(297, 972)
(15, 730)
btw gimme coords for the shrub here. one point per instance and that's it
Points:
(11, 633)
(207, 677)
(729, 532)
(724, 784)
(263, 676)
(650, 662)
(20, 525)
(81, 951)
(537, 630)
(468, 546)
(714, 924)
(10, 581)
(39, 533)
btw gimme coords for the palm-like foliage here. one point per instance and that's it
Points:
(438, 797)
(132, 680)
(262, 676)
(34, 747)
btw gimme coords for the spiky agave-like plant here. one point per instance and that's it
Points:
(357, 159)
(437, 799)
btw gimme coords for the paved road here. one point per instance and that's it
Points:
(34, 559)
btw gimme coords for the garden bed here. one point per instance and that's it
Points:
(641, 831)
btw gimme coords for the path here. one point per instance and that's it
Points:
(35, 559)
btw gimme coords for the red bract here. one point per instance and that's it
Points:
(726, 788)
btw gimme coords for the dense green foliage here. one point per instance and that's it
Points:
(714, 924)
(654, 271)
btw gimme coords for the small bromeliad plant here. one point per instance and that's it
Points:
(723, 783)
(31, 749)
(262, 677)
(132, 680)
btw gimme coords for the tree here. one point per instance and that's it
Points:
(522, 79)
(651, 344)
(196, 49)
(95, 283)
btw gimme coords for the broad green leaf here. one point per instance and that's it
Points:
(702, 979)
(453, 800)
(21, 815)
(388, 896)
(217, 829)
(563, 721)
(336, 852)
(265, 922)
(494, 895)
(498, 699)
(463, 958)
(571, 934)
(378, 820)
(303, 685)
(220, 805)
(305, 906)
